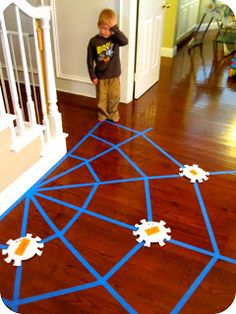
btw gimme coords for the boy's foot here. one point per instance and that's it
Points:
(115, 121)
(102, 118)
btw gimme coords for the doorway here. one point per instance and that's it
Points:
(150, 21)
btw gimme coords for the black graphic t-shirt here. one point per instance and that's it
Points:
(104, 52)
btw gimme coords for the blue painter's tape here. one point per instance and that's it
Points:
(17, 285)
(57, 201)
(45, 216)
(123, 261)
(39, 183)
(63, 173)
(7, 303)
(121, 126)
(71, 222)
(206, 218)
(25, 217)
(3, 246)
(41, 180)
(58, 293)
(227, 259)
(194, 286)
(163, 151)
(121, 181)
(217, 173)
(89, 198)
(81, 185)
(77, 157)
(84, 138)
(65, 241)
(102, 140)
(148, 200)
(116, 295)
(132, 163)
(64, 187)
(118, 145)
(88, 212)
(79, 211)
(191, 247)
(93, 158)
(113, 221)
(48, 239)
(80, 258)
(85, 205)
(19, 269)
(93, 173)
(124, 127)
(168, 176)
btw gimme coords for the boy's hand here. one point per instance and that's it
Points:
(112, 22)
(95, 81)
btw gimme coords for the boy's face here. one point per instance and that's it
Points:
(105, 30)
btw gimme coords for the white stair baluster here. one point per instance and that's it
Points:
(11, 78)
(4, 88)
(3, 119)
(12, 50)
(2, 106)
(30, 103)
(41, 83)
(32, 78)
(55, 120)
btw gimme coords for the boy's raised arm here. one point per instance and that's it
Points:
(119, 36)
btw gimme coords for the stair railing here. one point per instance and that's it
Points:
(51, 118)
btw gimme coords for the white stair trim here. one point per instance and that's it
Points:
(23, 183)
(30, 135)
(7, 121)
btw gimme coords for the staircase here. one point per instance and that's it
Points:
(31, 135)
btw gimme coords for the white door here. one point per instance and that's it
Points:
(149, 43)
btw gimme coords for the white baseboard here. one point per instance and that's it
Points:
(20, 186)
(168, 52)
(212, 26)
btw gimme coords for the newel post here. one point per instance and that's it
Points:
(54, 115)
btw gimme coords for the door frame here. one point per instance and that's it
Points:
(136, 46)
(128, 24)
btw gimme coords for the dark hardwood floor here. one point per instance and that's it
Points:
(192, 111)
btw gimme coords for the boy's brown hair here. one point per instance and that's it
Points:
(105, 16)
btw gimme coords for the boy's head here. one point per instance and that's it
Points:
(106, 20)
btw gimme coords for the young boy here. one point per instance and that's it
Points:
(103, 49)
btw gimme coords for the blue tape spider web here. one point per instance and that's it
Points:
(36, 192)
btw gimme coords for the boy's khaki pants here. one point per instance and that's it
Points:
(108, 96)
